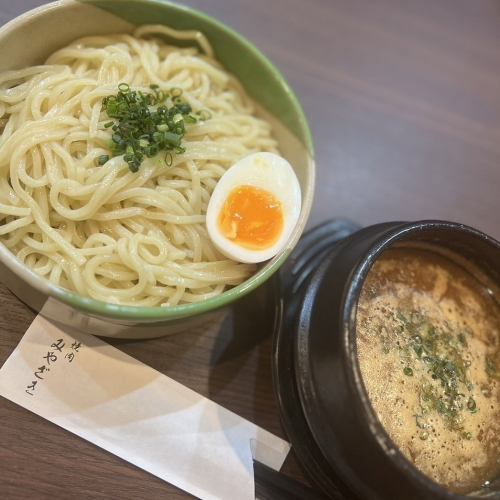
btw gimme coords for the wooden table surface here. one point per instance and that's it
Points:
(403, 97)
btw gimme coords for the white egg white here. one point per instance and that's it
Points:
(266, 171)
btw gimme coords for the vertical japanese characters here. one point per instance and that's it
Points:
(58, 350)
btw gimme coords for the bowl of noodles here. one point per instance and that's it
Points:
(111, 239)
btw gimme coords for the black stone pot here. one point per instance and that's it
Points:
(324, 405)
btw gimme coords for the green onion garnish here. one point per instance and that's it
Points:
(144, 124)
(102, 159)
(471, 405)
(168, 159)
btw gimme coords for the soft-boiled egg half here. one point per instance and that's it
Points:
(254, 208)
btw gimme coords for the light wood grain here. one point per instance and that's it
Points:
(404, 102)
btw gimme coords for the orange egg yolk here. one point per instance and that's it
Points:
(251, 217)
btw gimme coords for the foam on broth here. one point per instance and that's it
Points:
(428, 340)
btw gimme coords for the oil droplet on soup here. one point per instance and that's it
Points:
(428, 340)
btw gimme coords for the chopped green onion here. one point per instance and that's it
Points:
(102, 159)
(172, 139)
(144, 124)
(471, 405)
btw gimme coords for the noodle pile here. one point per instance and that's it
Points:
(104, 231)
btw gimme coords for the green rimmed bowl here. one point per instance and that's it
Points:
(32, 37)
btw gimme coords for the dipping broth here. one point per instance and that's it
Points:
(428, 340)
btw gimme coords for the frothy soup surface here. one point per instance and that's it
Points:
(428, 340)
